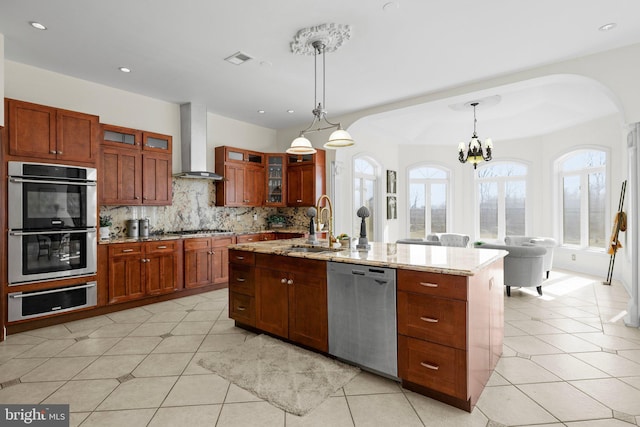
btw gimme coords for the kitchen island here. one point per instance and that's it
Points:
(450, 311)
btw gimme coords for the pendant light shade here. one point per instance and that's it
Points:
(301, 145)
(339, 138)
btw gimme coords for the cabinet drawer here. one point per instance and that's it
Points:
(125, 249)
(241, 279)
(222, 241)
(242, 257)
(242, 308)
(434, 366)
(248, 238)
(439, 320)
(435, 284)
(195, 244)
(161, 247)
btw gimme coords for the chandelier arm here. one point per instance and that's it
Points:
(308, 129)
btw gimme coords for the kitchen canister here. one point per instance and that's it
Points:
(132, 228)
(143, 225)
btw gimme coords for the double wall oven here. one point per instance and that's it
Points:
(52, 212)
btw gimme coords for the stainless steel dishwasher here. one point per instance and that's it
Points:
(362, 316)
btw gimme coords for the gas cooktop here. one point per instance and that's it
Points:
(200, 231)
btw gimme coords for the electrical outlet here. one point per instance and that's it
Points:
(255, 216)
(573, 257)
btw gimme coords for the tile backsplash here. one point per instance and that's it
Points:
(194, 207)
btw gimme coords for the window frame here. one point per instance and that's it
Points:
(583, 173)
(502, 180)
(448, 194)
(379, 214)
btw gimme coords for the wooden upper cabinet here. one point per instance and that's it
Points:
(136, 167)
(49, 133)
(156, 179)
(275, 180)
(305, 178)
(244, 177)
(156, 142)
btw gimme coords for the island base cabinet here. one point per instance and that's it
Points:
(434, 366)
(272, 293)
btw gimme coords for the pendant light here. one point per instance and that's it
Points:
(320, 39)
(475, 153)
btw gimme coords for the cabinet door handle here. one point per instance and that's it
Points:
(240, 257)
(283, 280)
(429, 319)
(240, 279)
(59, 152)
(127, 250)
(137, 197)
(429, 285)
(143, 260)
(241, 308)
(53, 151)
(290, 282)
(162, 247)
(246, 201)
(430, 366)
(299, 201)
(145, 198)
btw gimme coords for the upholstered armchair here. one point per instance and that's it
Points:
(523, 266)
(546, 242)
(454, 239)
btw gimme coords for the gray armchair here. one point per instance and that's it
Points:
(523, 266)
(546, 242)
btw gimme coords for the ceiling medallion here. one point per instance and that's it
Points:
(331, 35)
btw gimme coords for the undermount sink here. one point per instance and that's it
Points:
(310, 249)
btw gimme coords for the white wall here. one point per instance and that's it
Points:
(122, 108)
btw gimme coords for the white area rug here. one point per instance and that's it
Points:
(286, 376)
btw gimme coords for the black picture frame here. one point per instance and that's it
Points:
(392, 181)
(392, 207)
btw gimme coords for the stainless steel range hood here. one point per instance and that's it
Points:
(193, 132)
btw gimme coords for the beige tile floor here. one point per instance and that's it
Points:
(568, 360)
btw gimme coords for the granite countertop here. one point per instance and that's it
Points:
(434, 259)
(174, 236)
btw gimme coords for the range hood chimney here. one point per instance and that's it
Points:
(193, 132)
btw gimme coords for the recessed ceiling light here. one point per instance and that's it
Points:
(608, 27)
(266, 64)
(37, 25)
(261, 111)
(125, 69)
(290, 111)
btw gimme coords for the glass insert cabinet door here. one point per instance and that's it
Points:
(275, 180)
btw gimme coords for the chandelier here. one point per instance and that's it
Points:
(318, 40)
(475, 154)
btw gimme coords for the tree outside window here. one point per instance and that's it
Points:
(428, 200)
(502, 193)
(582, 178)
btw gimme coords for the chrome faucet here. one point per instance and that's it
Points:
(329, 210)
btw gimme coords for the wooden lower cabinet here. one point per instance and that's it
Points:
(450, 332)
(206, 261)
(136, 270)
(286, 296)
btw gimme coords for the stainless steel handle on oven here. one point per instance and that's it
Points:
(34, 233)
(45, 181)
(51, 291)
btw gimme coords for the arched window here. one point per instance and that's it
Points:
(502, 194)
(428, 200)
(582, 182)
(365, 186)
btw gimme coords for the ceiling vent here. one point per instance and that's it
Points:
(238, 58)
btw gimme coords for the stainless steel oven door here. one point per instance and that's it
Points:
(49, 255)
(41, 202)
